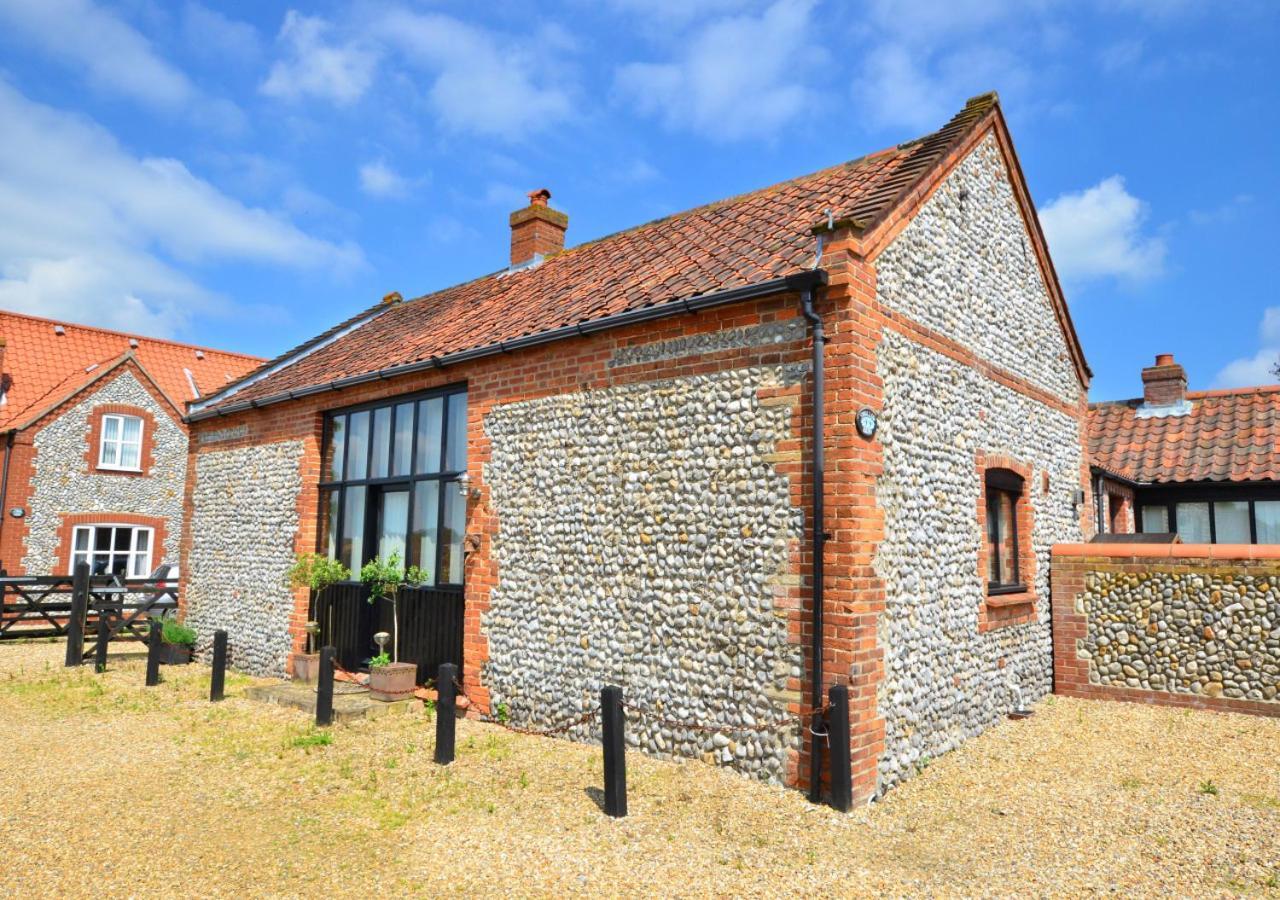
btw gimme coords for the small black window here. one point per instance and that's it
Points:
(1004, 493)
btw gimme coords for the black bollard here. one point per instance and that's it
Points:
(446, 712)
(79, 609)
(218, 678)
(615, 752)
(324, 688)
(838, 731)
(153, 652)
(104, 638)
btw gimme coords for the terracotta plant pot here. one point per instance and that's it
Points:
(175, 654)
(306, 667)
(394, 681)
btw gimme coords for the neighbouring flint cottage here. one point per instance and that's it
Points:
(95, 446)
(609, 460)
(1199, 464)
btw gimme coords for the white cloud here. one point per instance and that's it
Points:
(1256, 369)
(315, 66)
(92, 233)
(1098, 233)
(481, 82)
(735, 78)
(665, 13)
(215, 36)
(377, 179)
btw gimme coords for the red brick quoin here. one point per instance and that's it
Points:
(1072, 563)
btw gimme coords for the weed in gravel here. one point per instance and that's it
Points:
(1208, 787)
(312, 739)
(1130, 783)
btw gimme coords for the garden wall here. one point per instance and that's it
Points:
(1194, 625)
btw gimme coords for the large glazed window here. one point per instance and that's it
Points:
(390, 483)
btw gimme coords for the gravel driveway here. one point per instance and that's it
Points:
(110, 789)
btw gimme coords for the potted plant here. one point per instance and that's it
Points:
(390, 679)
(177, 642)
(317, 572)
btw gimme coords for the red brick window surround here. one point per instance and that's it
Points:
(121, 440)
(112, 543)
(1006, 557)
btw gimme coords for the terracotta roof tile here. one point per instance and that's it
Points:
(732, 243)
(43, 367)
(1228, 436)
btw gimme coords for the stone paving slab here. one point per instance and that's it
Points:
(347, 704)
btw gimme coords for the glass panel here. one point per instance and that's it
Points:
(993, 537)
(329, 523)
(1193, 522)
(402, 448)
(82, 539)
(358, 445)
(352, 554)
(337, 446)
(456, 459)
(426, 511)
(120, 566)
(102, 539)
(122, 539)
(455, 515)
(99, 566)
(132, 430)
(110, 454)
(142, 540)
(430, 416)
(381, 442)
(1155, 519)
(130, 456)
(393, 523)
(1008, 558)
(1231, 521)
(139, 566)
(76, 559)
(1266, 514)
(111, 428)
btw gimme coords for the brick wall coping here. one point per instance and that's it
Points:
(1170, 551)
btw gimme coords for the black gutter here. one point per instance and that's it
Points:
(817, 729)
(802, 281)
(4, 484)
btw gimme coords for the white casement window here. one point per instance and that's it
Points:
(123, 550)
(121, 446)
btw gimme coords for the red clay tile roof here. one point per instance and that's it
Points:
(1228, 436)
(43, 367)
(737, 242)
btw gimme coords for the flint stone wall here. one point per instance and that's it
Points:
(244, 518)
(643, 540)
(62, 483)
(1212, 632)
(964, 267)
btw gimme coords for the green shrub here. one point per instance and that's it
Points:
(174, 632)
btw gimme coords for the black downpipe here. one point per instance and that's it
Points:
(4, 486)
(1098, 519)
(817, 728)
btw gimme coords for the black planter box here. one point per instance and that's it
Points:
(175, 654)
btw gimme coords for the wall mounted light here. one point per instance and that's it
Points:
(464, 483)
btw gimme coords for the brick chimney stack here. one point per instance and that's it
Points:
(537, 230)
(1165, 383)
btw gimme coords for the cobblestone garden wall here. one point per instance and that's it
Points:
(62, 482)
(645, 540)
(244, 518)
(1183, 624)
(965, 269)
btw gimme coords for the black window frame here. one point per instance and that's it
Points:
(998, 482)
(1168, 497)
(410, 479)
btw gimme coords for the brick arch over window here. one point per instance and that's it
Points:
(998, 610)
(70, 521)
(146, 458)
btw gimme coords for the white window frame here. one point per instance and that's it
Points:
(138, 562)
(119, 443)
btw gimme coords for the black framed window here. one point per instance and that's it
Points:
(1224, 515)
(390, 483)
(1004, 492)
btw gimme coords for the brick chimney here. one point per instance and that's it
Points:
(1165, 383)
(537, 230)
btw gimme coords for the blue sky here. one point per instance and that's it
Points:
(244, 175)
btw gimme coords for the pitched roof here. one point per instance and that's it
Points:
(1227, 436)
(43, 367)
(734, 243)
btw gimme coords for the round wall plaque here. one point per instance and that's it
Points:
(867, 422)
